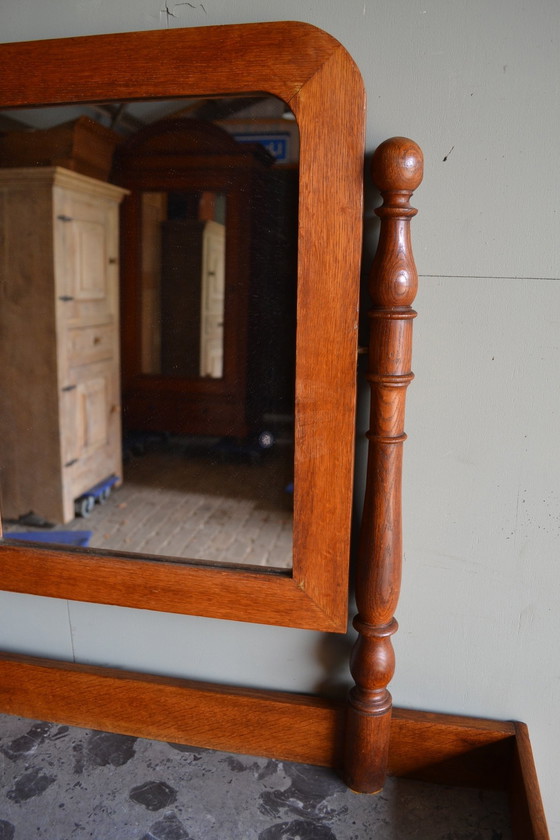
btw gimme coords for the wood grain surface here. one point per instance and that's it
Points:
(437, 748)
(313, 73)
(397, 169)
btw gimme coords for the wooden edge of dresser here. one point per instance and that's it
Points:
(269, 723)
(437, 748)
(527, 812)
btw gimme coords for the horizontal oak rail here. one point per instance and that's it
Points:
(437, 748)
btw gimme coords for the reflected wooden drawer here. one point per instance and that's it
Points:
(90, 344)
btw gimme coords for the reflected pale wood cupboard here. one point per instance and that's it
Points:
(60, 428)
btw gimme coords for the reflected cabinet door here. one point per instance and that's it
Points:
(86, 248)
(90, 423)
(213, 289)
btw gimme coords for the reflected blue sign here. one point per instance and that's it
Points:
(276, 143)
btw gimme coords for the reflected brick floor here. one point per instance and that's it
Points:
(182, 504)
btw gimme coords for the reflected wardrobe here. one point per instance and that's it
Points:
(208, 269)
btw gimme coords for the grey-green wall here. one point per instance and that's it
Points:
(475, 82)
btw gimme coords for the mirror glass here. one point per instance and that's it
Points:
(218, 490)
(183, 283)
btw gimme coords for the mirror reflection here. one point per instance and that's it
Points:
(187, 451)
(183, 239)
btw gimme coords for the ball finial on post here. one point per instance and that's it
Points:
(397, 164)
(397, 169)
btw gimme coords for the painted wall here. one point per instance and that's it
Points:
(475, 83)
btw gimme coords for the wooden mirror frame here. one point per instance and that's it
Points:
(315, 76)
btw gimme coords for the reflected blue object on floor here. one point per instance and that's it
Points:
(79, 538)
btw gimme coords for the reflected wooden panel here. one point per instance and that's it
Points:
(192, 293)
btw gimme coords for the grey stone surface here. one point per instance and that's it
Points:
(63, 783)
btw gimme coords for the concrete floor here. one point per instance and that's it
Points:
(178, 502)
(62, 783)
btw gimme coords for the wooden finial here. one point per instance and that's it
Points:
(397, 171)
(397, 164)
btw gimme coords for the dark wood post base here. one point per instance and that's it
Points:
(368, 716)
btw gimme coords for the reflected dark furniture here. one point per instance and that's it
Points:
(185, 158)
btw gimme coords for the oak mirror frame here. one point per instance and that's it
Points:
(315, 76)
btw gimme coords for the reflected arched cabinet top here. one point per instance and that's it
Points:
(157, 144)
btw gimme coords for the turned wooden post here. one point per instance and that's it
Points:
(397, 171)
